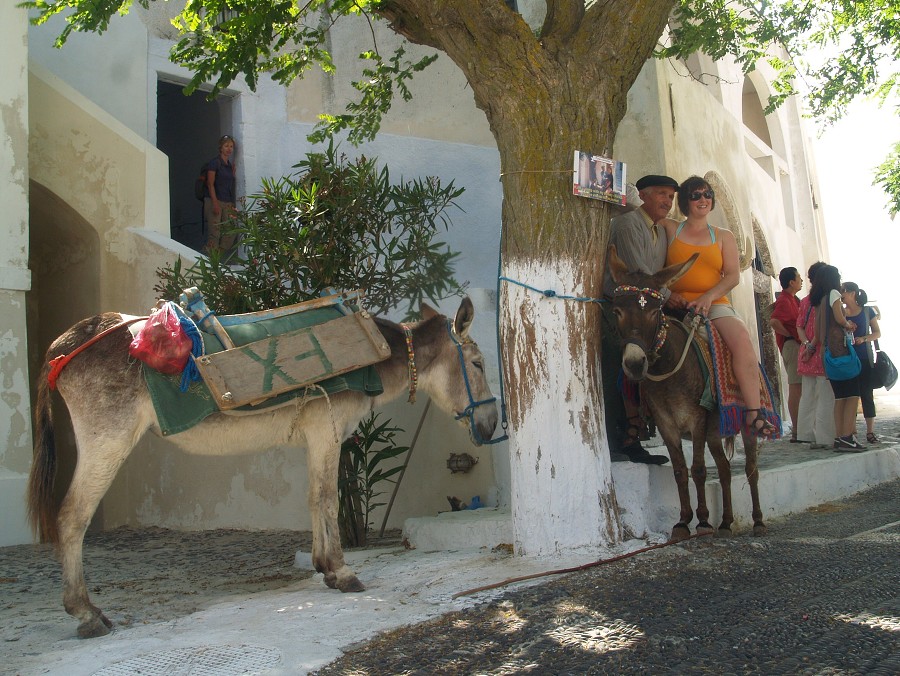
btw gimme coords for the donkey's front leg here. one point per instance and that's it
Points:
(698, 474)
(672, 437)
(751, 469)
(723, 465)
(327, 555)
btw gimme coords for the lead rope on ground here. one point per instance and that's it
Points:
(575, 569)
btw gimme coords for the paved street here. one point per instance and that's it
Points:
(819, 595)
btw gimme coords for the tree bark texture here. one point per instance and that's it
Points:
(546, 96)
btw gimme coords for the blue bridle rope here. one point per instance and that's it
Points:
(469, 411)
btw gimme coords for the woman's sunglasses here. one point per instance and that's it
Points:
(706, 194)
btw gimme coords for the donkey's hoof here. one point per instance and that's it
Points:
(760, 529)
(351, 584)
(705, 528)
(724, 532)
(330, 580)
(95, 627)
(680, 532)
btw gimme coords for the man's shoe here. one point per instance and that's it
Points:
(615, 456)
(637, 453)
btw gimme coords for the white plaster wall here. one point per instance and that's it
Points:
(108, 174)
(15, 278)
(720, 143)
(110, 70)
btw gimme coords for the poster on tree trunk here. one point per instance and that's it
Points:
(599, 178)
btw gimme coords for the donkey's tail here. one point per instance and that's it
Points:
(43, 508)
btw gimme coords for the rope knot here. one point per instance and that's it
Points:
(550, 293)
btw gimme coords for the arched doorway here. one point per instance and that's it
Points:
(763, 273)
(64, 258)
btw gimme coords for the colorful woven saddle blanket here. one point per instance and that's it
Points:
(178, 411)
(717, 359)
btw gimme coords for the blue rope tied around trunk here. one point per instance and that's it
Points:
(550, 293)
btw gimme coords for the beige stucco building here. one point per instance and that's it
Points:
(100, 150)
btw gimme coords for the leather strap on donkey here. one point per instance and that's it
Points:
(57, 364)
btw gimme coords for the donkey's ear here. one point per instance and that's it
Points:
(616, 267)
(427, 311)
(670, 275)
(464, 317)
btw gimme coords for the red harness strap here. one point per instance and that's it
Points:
(57, 364)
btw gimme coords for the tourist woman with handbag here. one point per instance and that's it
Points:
(815, 418)
(834, 331)
(867, 331)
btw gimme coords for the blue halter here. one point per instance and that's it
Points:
(469, 411)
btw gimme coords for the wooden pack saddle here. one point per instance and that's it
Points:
(271, 352)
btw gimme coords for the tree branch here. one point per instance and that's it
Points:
(405, 18)
(479, 37)
(562, 20)
(630, 31)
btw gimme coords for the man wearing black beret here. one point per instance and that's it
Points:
(641, 244)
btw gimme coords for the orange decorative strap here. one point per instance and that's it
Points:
(57, 364)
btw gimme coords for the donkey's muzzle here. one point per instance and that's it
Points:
(634, 362)
(486, 417)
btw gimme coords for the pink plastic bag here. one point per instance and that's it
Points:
(162, 344)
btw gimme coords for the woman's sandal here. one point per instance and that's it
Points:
(760, 427)
(872, 438)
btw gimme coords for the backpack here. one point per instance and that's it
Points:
(200, 183)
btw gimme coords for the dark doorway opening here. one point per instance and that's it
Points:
(187, 131)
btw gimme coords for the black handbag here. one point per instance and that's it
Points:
(884, 373)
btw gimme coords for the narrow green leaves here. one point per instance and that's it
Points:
(335, 223)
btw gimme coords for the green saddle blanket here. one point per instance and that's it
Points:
(178, 411)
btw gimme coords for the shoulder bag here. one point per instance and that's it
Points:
(884, 373)
(844, 367)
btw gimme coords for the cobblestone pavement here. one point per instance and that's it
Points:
(819, 595)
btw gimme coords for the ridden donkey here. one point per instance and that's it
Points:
(651, 356)
(111, 409)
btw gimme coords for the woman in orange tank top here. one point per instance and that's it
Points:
(705, 285)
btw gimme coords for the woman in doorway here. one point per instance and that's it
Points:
(867, 331)
(716, 272)
(219, 204)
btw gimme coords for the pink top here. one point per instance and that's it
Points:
(809, 363)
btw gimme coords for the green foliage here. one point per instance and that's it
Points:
(887, 175)
(222, 40)
(334, 224)
(830, 51)
(365, 457)
(363, 118)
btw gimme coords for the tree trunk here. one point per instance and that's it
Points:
(562, 492)
(546, 98)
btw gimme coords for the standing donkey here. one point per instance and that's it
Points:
(672, 384)
(111, 410)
